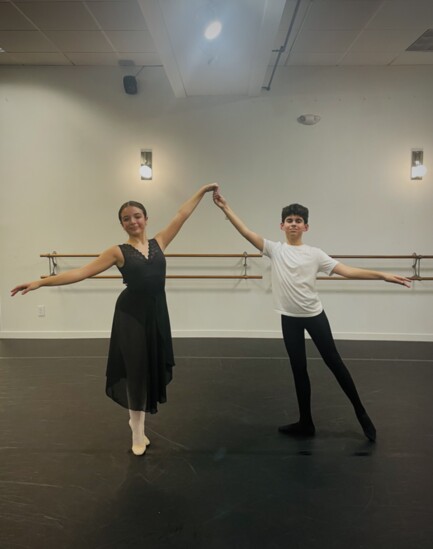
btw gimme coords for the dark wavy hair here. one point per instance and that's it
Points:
(295, 209)
(131, 203)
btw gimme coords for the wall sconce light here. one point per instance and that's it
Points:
(146, 171)
(417, 170)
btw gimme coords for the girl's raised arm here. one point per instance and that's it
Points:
(165, 236)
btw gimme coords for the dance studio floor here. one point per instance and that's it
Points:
(217, 475)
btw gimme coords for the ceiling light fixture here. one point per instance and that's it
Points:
(213, 30)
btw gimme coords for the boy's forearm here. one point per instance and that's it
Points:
(253, 238)
(366, 274)
(237, 223)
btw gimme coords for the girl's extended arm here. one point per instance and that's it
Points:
(106, 260)
(255, 239)
(165, 236)
(353, 272)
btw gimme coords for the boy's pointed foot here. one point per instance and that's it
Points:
(367, 426)
(298, 429)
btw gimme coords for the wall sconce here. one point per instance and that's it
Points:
(146, 171)
(417, 169)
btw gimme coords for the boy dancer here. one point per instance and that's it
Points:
(294, 269)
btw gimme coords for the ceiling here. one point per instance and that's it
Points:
(257, 35)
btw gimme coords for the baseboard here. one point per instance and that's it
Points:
(259, 334)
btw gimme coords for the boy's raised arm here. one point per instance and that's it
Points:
(252, 237)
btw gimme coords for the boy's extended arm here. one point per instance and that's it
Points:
(255, 239)
(354, 272)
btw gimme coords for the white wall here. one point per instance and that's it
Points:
(69, 153)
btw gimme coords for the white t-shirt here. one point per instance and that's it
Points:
(294, 270)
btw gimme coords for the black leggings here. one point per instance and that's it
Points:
(320, 331)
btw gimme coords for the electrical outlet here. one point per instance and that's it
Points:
(41, 310)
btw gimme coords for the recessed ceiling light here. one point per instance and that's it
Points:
(213, 30)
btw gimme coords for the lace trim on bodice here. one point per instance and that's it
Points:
(153, 249)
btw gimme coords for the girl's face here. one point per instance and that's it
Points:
(133, 220)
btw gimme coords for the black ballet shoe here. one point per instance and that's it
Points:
(298, 429)
(367, 426)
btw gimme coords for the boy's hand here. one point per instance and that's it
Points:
(219, 200)
(396, 279)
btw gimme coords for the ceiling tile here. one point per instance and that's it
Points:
(414, 58)
(297, 59)
(125, 15)
(403, 14)
(134, 60)
(385, 40)
(40, 59)
(8, 59)
(140, 59)
(80, 41)
(94, 59)
(367, 58)
(323, 41)
(335, 14)
(12, 19)
(22, 41)
(58, 15)
(139, 41)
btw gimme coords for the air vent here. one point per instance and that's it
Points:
(424, 42)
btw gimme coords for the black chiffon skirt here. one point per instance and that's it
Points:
(140, 358)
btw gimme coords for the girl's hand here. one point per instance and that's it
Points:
(210, 187)
(25, 288)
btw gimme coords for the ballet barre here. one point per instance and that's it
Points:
(53, 266)
(416, 265)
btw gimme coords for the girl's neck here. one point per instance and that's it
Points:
(137, 240)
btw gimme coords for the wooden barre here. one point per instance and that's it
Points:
(416, 266)
(53, 256)
(253, 277)
(413, 256)
(370, 279)
(240, 277)
(166, 255)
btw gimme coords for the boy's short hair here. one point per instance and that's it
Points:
(295, 209)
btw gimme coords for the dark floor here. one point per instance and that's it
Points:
(217, 474)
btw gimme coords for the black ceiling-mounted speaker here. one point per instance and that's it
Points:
(130, 85)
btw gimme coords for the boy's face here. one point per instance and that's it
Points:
(294, 226)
